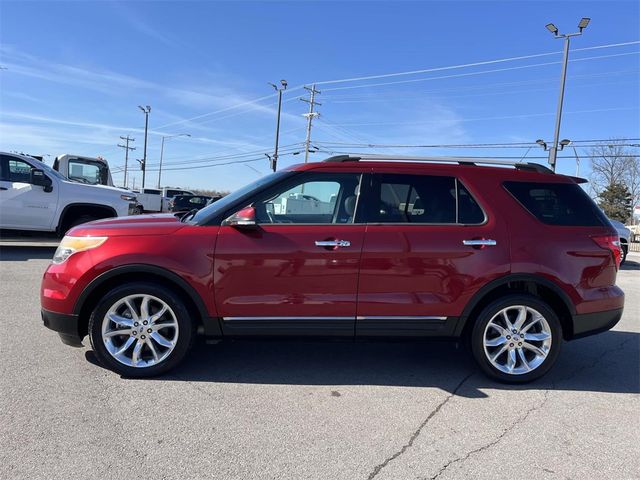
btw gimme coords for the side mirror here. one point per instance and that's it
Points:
(245, 218)
(37, 177)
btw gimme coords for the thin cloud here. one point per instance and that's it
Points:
(135, 22)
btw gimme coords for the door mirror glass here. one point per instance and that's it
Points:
(245, 218)
(37, 177)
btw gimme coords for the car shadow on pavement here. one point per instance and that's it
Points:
(609, 362)
(22, 254)
(630, 265)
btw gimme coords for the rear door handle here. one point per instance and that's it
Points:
(333, 243)
(483, 242)
(4, 188)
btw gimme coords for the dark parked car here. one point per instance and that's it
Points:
(512, 260)
(185, 203)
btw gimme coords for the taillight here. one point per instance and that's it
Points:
(612, 243)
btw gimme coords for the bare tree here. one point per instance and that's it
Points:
(608, 166)
(614, 164)
(632, 178)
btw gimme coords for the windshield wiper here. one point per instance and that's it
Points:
(189, 215)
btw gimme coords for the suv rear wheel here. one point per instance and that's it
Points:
(516, 339)
(140, 330)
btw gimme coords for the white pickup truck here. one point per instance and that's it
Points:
(156, 199)
(35, 197)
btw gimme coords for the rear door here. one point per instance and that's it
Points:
(296, 273)
(428, 247)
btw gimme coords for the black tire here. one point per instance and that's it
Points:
(625, 250)
(74, 222)
(185, 336)
(138, 210)
(478, 332)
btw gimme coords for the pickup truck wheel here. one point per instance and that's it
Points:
(140, 330)
(80, 220)
(516, 339)
(138, 210)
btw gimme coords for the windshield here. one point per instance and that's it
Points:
(88, 171)
(226, 201)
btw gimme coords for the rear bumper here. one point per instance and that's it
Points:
(67, 326)
(586, 324)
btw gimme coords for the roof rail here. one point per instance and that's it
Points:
(534, 167)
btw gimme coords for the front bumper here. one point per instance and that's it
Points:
(586, 324)
(67, 326)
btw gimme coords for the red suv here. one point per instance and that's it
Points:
(514, 259)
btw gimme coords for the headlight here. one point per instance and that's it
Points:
(128, 198)
(70, 245)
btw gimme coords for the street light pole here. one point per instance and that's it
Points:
(146, 111)
(162, 152)
(553, 151)
(274, 158)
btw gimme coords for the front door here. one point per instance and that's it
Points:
(428, 247)
(23, 205)
(296, 272)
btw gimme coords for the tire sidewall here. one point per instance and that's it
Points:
(185, 329)
(477, 337)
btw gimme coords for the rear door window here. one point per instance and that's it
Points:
(421, 199)
(558, 203)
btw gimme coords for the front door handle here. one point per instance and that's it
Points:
(333, 243)
(4, 188)
(480, 242)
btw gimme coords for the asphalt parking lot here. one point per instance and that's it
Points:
(283, 410)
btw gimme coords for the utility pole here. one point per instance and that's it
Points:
(143, 164)
(274, 158)
(553, 151)
(126, 147)
(162, 152)
(310, 116)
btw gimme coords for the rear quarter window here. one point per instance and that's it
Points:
(563, 204)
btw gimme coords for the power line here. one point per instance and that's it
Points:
(588, 144)
(545, 79)
(487, 62)
(287, 148)
(504, 117)
(420, 95)
(482, 72)
(504, 157)
(473, 64)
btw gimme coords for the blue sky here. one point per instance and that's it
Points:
(76, 71)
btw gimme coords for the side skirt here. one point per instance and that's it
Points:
(365, 326)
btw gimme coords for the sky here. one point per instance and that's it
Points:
(74, 73)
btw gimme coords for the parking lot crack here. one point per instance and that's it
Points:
(418, 431)
(496, 440)
(595, 361)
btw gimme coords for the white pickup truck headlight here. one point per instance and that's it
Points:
(128, 198)
(70, 245)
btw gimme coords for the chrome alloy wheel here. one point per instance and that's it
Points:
(140, 330)
(517, 340)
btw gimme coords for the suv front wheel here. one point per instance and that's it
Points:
(140, 330)
(516, 339)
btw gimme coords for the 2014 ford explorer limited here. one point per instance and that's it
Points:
(515, 260)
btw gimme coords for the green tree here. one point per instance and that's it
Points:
(616, 202)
